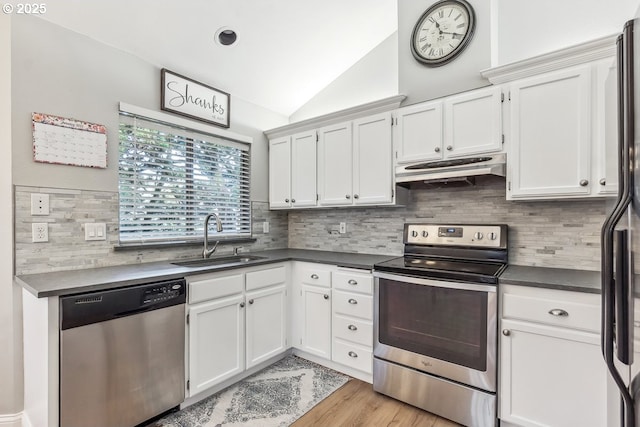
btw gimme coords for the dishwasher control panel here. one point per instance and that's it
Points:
(163, 292)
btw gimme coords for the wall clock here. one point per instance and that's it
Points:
(442, 32)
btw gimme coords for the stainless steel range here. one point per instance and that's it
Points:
(435, 327)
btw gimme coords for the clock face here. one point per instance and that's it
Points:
(442, 32)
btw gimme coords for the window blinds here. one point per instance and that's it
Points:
(170, 178)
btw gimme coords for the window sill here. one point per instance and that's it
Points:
(175, 245)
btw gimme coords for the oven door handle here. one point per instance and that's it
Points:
(481, 287)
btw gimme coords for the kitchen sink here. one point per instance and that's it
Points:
(219, 261)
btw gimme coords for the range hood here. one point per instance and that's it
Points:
(451, 172)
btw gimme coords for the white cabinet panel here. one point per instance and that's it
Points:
(266, 324)
(303, 169)
(280, 172)
(215, 352)
(372, 160)
(316, 311)
(419, 132)
(335, 163)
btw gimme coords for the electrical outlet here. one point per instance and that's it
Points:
(343, 227)
(265, 227)
(39, 232)
(39, 204)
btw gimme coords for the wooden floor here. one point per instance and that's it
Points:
(355, 404)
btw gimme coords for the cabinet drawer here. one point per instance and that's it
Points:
(316, 277)
(353, 355)
(216, 287)
(264, 278)
(354, 330)
(353, 282)
(351, 304)
(552, 311)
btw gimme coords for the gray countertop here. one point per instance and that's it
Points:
(95, 279)
(552, 278)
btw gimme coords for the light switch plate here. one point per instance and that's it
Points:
(95, 231)
(265, 227)
(39, 204)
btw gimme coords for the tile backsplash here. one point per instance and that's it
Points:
(67, 249)
(563, 234)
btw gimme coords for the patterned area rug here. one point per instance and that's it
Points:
(275, 396)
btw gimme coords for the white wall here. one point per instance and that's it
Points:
(528, 28)
(57, 71)
(10, 312)
(373, 77)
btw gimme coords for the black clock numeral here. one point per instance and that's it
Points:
(431, 19)
(456, 18)
(450, 12)
(431, 52)
(441, 14)
(461, 25)
(423, 38)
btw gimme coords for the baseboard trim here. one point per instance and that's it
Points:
(11, 420)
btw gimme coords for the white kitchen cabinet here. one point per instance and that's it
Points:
(216, 342)
(265, 324)
(456, 126)
(335, 165)
(419, 132)
(292, 171)
(551, 368)
(550, 151)
(316, 320)
(605, 176)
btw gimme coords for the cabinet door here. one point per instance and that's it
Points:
(606, 128)
(266, 324)
(303, 169)
(551, 377)
(216, 342)
(419, 132)
(551, 135)
(372, 160)
(335, 165)
(280, 173)
(316, 313)
(473, 123)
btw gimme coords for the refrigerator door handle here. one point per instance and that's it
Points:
(621, 297)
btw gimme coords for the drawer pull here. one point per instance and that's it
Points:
(353, 354)
(314, 276)
(506, 332)
(352, 301)
(352, 282)
(558, 312)
(352, 327)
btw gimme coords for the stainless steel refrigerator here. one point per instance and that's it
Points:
(620, 243)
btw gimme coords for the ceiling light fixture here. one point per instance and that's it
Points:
(226, 36)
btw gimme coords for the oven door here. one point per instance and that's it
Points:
(448, 329)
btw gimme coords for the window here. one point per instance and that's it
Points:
(170, 178)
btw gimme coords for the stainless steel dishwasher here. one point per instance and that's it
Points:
(122, 354)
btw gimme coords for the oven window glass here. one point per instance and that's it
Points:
(448, 324)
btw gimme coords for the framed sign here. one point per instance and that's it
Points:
(187, 97)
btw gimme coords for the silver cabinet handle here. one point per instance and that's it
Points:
(352, 282)
(352, 327)
(506, 332)
(352, 301)
(314, 276)
(584, 182)
(353, 354)
(437, 149)
(603, 181)
(293, 200)
(250, 301)
(241, 305)
(326, 296)
(449, 147)
(355, 196)
(348, 196)
(286, 200)
(558, 312)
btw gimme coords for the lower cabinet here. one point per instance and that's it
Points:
(235, 321)
(316, 320)
(551, 367)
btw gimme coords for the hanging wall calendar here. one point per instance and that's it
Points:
(68, 141)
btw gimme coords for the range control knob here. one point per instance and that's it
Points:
(425, 233)
(414, 233)
(492, 236)
(478, 236)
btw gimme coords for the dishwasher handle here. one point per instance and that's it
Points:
(85, 309)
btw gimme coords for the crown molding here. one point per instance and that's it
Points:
(601, 48)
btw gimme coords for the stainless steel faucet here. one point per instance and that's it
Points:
(206, 252)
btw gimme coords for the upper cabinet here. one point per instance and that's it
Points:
(561, 124)
(456, 126)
